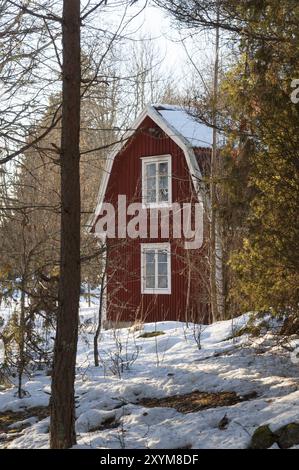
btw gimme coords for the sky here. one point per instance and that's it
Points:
(149, 22)
(153, 22)
(160, 26)
(157, 25)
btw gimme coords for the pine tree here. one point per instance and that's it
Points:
(266, 266)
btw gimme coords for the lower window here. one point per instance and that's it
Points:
(155, 268)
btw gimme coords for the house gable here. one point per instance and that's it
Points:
(155, 122)
(149, 142)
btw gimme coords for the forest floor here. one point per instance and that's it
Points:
(169, 385)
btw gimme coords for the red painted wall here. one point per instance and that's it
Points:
(124, 299)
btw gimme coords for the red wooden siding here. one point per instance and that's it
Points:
(188, 293)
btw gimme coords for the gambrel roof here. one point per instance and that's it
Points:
(181, 126)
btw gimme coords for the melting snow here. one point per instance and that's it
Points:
(194, 132)
(167, 365)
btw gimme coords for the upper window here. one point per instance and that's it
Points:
(155, 268)
(156, 181)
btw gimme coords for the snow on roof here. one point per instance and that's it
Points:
(183, 122)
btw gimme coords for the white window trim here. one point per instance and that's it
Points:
(156, 159)
(155, 246)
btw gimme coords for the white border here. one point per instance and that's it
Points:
(156, 159)
(156, 246)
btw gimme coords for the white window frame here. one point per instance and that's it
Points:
(155, 247)
(156, 159)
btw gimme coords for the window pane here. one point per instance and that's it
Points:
(163, 195)
(162, 257)
(150, 282)
(157, 182)
(151, 183)
(162, 282)
(163, 168)
(149, 256)
(150, 170)
(156, 268)
(151, 196)
(150, 265)
(162, 269)
(150, 270)
(163, 182)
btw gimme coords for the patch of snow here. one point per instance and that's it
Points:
(35, 437)
(196, 133)
(38, 395)
(167, 365)
(24, 422)
(93, 418)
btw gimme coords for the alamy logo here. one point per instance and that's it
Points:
(135, 220)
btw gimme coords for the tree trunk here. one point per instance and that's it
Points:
(213, 221)
(22, 320)
(98, 330)
(22, 333)
(88, 295)
(62, 428)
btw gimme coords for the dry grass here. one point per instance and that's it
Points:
(110, 423)
(193, 402)
(9, 417)
(151, 334)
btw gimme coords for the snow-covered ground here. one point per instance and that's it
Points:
(163, 366)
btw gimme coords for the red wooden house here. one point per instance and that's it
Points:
(152, 274)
